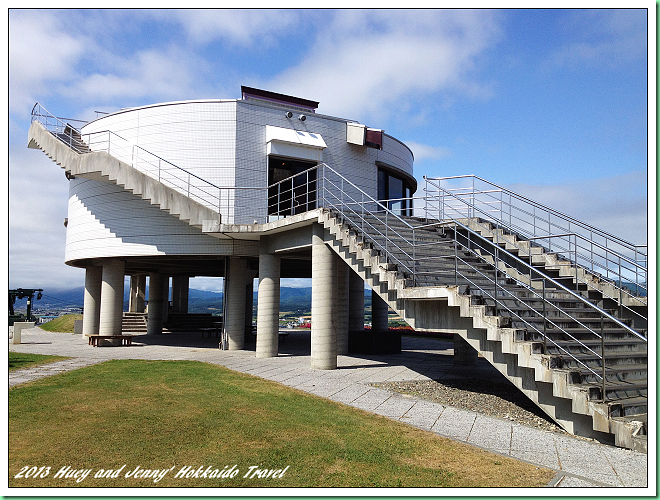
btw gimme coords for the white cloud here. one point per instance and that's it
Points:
(425, 152)
(38, 200)
(239, 26)
(617, 205)
(373, 62)
(40, 51)
(609, 38)
(157, 74)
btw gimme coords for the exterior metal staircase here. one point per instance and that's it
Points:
(559, 312)
(572, 348)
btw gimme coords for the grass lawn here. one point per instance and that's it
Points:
(18, 360)
(166, 415)
(62, 324)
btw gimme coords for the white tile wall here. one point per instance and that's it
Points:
(224, 143)
(107, 221)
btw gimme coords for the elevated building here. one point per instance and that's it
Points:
(264, 186)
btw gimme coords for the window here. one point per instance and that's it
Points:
(395, 192)
(286, 195)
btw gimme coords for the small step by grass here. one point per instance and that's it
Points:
(116, 419)
(62, 324)
(19, 360)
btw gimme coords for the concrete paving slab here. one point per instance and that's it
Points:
(349, 393)
(395, 406)
(454, 423)
(534, 446)
(585, 459)
(575, 482)
(423, 414)
(491, 433)
(324, 390)
(631, 467)
(371, 399)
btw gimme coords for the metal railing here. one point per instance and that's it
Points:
(612, 259)
(220, 199)
(404, 241)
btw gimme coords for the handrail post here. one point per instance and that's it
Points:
(620, 291)
(545, 322)
(602, 352)
(387, 238)
(455, 255)
(497, 265)
(414, 262)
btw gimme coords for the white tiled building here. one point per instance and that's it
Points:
(235, 157)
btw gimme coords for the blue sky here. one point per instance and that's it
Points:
(551, 103)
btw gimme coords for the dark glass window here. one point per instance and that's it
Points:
(393, 187)
(286, 195)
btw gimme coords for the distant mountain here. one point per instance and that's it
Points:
(291, 299)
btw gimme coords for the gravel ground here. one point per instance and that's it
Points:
(497, 400)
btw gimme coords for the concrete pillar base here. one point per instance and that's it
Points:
(155, 308)
(324, 302)
(268, 308)
(342, 309)
(379, 313)
(112, 297)
(235, 301)
(92, 301)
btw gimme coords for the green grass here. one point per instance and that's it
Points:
(172, 414)
(62, 324)
(18, 360)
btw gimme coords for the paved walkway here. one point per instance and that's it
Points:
(578, 462)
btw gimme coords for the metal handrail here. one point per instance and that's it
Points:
(166, 172)
(610, 255)
(539, 205)
(334, 195)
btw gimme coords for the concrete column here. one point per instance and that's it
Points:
(141, 293)
(180, 288)
(464, 353)
(268, 306)
(132, 294)
(379, 311)
(92, 301)
(341, 314)
(136, 294)
(166, 298)
(112, 297)
(355, 302)
(176, 293)
(249, 304)
(235, 302)
(324, 302)
(155, 316)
